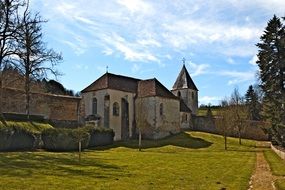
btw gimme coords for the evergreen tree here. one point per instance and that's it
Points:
(271, 62)
(253, 105)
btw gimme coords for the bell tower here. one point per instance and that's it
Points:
(185, 88)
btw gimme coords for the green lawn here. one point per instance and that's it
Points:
(280, 184)
(203, 111)
(186, 161)
(277, 166)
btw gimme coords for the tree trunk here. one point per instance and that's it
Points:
(140, 140)
(27, 91)
(225, 142)
(79, 151)
(225, 137)
(2, 118)
(239, 136)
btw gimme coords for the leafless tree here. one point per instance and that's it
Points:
(8, 27)
(223, 122)
(34, 59)
(239, 112)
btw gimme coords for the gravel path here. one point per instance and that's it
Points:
(262, 179)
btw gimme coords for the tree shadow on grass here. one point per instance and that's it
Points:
(184, 140)
(26, 164)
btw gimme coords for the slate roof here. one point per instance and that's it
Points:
(184, 80)
(112, 81)
(152, 87)
(184, 107)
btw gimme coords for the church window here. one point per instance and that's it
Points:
(193, 95)
(179, 94)
(116, 109)
(94, 106)
(161, 109)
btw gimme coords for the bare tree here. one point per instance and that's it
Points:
(223, 122)
(239, 112)
(8, 27)
(34, 60)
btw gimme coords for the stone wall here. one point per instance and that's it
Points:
(154, 124)
(254, 131)
(279, 152)
(185, 120)
(52, 107)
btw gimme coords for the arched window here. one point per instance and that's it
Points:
(116, 109)
(94, 106)
(179, 94)
(161, 109)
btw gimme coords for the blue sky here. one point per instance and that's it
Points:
(146, 39)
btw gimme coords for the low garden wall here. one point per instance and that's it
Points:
(207, 124)
(280, 153)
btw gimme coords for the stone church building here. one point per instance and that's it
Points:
(128, 104)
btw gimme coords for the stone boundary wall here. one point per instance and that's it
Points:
(50, 106)
(207, 124)
(280, 153)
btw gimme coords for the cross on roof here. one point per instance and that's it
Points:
(183, 60)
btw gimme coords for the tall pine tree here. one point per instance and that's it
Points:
(252, 103)
(271, 62)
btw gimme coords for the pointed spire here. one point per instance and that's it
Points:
(184, 80)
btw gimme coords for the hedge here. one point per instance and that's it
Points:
(16, 138)
(21, 135)
(100, 136)
(65, 139)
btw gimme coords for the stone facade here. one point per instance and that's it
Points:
(144, 105)
(157, 117)
(190, 98)
(107, 110)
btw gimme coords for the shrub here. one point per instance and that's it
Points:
(100, 136)
(18, 135)
(16, 138)
(65, 139)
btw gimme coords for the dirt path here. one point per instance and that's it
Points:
(262, 179)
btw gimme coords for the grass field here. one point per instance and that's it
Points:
(277, 166)
(203, 111)
(186, 161)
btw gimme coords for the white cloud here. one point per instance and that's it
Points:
(152, 29)
(136, 68)
(131, 51)
(230, 61)
(209, 99)
(253, 60)
(198, 69)
(78, 50)
(136, 6)
(108, 51)
(238, 77)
